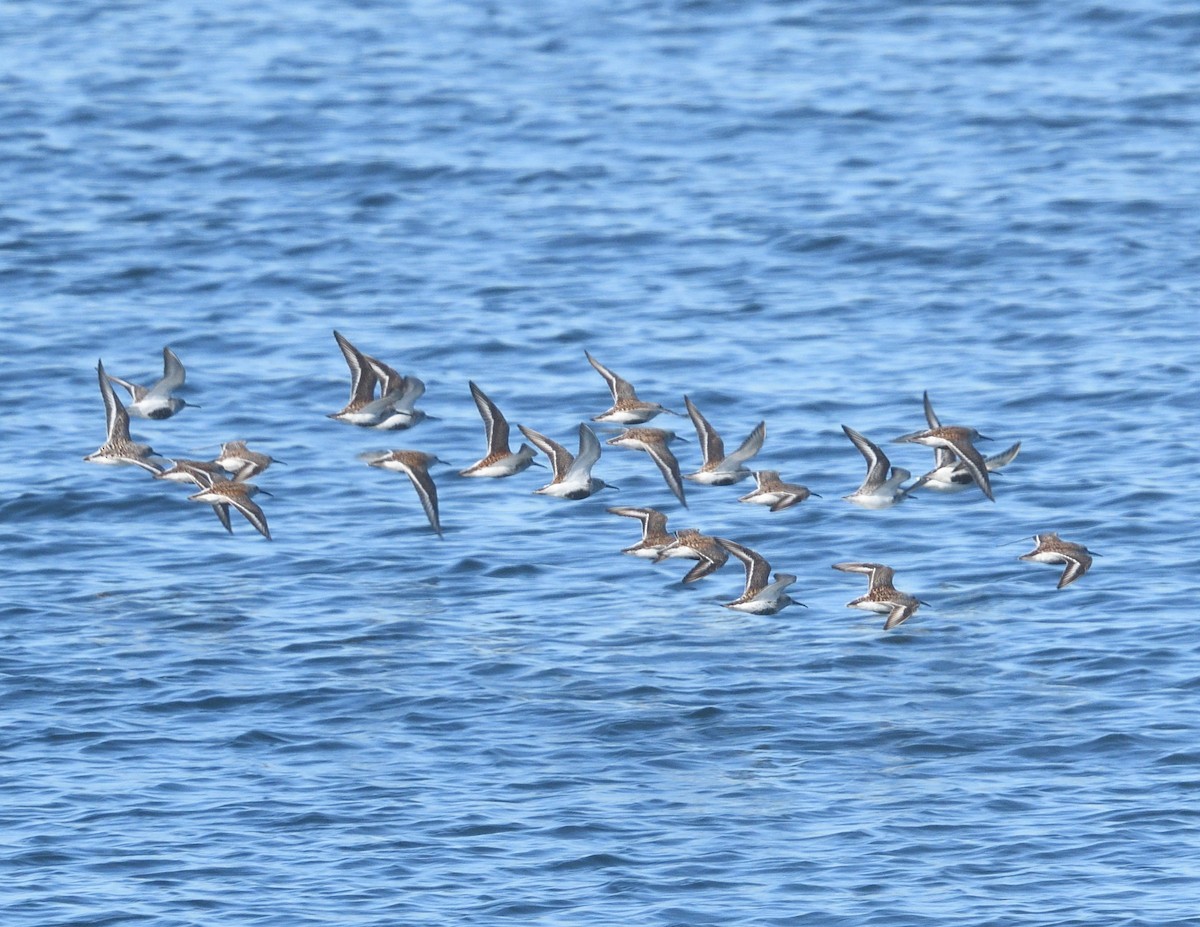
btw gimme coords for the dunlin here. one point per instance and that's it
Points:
(185, 471)
(771, 490)
(156, 401)
(415, 464)
(949, 474)
(880, 489)
(221, 494)
(363, 408)
(876, 573)
(720, 469)
(118, 448)
(1050, 548)
(760, 597)
(499, 461)
(239, 459)
(404, 413)
(654, 442)
(403, 392)
(954, 476)
(201, 473)
(882, 597)
(654, 531)
(957, 440)
(389, 380)
(693, 545)
(626, 409)
(572, 475)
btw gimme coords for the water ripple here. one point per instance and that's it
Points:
(806, 215)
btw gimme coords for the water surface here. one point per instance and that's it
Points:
(802, 213)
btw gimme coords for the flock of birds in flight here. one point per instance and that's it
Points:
(381, 398)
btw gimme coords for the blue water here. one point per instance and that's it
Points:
(801, 212)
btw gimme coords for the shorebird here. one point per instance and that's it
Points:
(882, 597)
(388, 379)
(626, 409)
(201, 473)
(499, 460)
(184, 471)
(415, 465)
(362, 408)
(876, 573)
(879, 490)
(156, 401)
(221, 494)
(240, 460)
(759, 597)
(118, 448)
(693, 545)
(403, 392)
(771, 490)
(949, 474)
(654, 442)
(654, 531)
(572, 475)
(720, 469)
(1050, 548)
(956, 440)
